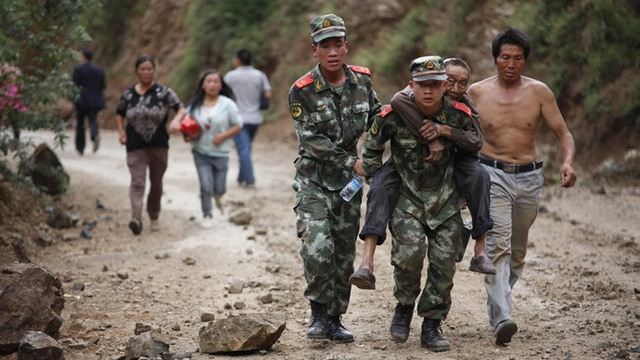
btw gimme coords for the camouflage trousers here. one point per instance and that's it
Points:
(408, 251)
(327, 226)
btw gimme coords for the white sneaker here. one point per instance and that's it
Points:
(207, 222)
(219, 205)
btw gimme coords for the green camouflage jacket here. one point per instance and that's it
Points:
(329, 124)
(428, 190)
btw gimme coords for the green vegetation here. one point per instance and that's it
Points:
(216, 30)
(38, 37)
(588, 45)
(108, 23)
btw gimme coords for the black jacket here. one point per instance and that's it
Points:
(90, 79)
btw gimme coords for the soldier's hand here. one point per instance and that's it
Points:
(436, 151)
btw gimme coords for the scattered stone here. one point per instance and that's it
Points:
(100, 205)
(142, 328)
(239, 305)
(249, 252)
(241, 218)
(86, 234)
(622, 354)
(206, 315)
(122, 275)
(251, 237)
(78, 286)
(235, 287)
(90, 225)
(273, 269)
(243, 333)
(44, 240)
(162, 257)
(74, 219)
(175, 327)
(84, 345)
(58, 218)
(148, 344)
(261, 231)
(105, 268)
(36, 345)
(266, 299)
(206, 276)
(228, 306)
(188, 261)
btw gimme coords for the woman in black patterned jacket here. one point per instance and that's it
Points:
(145, 107)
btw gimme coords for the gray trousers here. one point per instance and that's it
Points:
(515, 199)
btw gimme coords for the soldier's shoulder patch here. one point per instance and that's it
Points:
(360, 69)
(304, 81)
(462, 107)
(386, 111)
(296, 110)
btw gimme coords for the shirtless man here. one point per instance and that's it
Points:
(512, 107)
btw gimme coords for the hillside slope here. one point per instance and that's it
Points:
(382, 36)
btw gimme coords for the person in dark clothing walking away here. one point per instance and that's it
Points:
(90, 78)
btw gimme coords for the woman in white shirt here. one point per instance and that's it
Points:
(217, 114)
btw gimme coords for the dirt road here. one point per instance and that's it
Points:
(575, 300)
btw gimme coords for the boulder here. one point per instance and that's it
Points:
(237, 334)
(46, 171)
(31, 299)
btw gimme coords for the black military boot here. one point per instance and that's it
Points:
(337, 332)
(431, 336)
(401, 322)
(318, 327)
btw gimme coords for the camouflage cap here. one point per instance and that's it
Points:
(428, 68)
(327, 26)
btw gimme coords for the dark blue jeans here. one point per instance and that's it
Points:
(471, 178)
(244, 141)
(212, 173)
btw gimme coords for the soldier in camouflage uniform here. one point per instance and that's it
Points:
(429, 204)
(331, 107)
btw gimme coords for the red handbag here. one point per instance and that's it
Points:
(190, 127)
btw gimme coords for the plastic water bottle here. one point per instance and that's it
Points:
(352, 187)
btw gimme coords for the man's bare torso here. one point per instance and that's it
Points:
(510, 118)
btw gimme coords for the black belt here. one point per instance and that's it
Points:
(511, 168)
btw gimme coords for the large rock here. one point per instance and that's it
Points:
(243, 333)
(30, 299)
(46, 171)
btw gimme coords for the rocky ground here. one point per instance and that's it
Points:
(578, 297)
